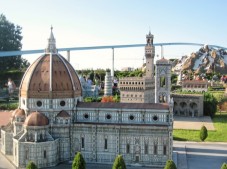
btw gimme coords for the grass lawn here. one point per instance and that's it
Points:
(220, 135)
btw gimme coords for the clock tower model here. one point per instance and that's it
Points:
(149, 53)
(162, 81)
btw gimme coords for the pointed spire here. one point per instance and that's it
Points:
(51, 46)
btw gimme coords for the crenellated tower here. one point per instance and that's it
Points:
(149, 54)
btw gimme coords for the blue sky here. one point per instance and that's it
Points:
(97, 22)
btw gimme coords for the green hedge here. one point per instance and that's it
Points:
(16, 76)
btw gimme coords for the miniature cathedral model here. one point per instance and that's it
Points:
(53, 122)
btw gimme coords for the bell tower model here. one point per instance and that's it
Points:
(162, 81)
(149, 54)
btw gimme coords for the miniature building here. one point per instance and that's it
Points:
(141, 89)
(188, 105)
(195, 85)
(52, 123)
(162, 81)
(108, 84)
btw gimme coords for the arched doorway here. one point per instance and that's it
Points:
(193, 111)
(183, 108)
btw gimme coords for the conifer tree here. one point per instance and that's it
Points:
(170, 165)
(78, 162)
(203, 133)
(119, 163)
(31, 165)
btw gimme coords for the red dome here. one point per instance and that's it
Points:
(36, 119)
(20, 113)
(50, 76)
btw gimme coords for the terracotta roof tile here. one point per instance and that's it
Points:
(63, 113)
(195, 82)
(36, 119)
(20, 113)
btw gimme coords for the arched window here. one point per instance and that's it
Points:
(155, 149)
(82, 142)
(105, 147)
(146, 149)
(164, 150)
(41, 137)
(26, 154)
(127, 148)
(44, 154)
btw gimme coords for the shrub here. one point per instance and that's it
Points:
(170, 165)
(78, 162)
(119, 163)
(203, 133)
(31, 165)
(224, 166)
(210, 104)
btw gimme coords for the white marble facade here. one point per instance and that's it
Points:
(52, 123)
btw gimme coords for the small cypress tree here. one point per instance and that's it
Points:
(78, 162)
(31, 165)
(170, 165)
(203, 133)
(119, 163)
(224, 166)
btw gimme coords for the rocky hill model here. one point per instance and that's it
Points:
(206, 60)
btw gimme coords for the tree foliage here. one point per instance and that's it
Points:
(119, 163)
(174, 78)
(203, 133)
(10, 40)
(31, 165)
(135, 73)
(170, 165)
(78, 162)
(210, 104)
(224, 166)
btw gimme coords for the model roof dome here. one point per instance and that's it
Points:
(20, 113)
(50, 76)
(36, 119)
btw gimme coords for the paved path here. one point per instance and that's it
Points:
(4, 162)
(5, 117)
(189, 155)
(193, 123)
(194, 155)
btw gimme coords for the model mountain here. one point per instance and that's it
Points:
(206, 60)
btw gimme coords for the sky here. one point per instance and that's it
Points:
(80, 23)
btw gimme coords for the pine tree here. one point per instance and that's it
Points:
(170, 165)
(31, 165)
(224, 166)
(78, 162)
(203, 133)
(119, 163)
